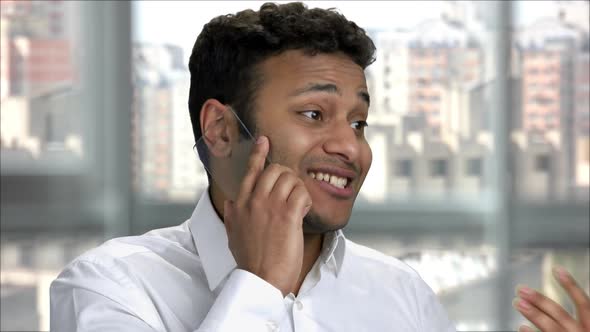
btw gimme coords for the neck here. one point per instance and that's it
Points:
(217, 198)
(312, 248)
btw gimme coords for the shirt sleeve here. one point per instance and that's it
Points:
(89, 297)
(246, 303)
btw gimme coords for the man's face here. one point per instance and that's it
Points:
(313, 110)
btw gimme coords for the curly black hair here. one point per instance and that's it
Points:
(223, 63)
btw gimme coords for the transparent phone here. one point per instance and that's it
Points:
(227, 171)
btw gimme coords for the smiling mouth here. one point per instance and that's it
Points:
(334, 180)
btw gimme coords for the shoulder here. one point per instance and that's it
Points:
(397, 284)
(125, 256)
(175, 238)
(379, 262)
(384, 274)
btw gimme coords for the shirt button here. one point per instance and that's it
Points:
(272, 326)
(299, 305)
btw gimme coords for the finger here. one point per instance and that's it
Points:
(548, 307)
(284, 186)
(300, 200)
(576, 293)
(267, 180)
(255, 167)
(525, 328)
(540, 319)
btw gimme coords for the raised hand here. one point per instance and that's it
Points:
(549, 316)
(264, 224)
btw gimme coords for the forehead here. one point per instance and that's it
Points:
(292, 69)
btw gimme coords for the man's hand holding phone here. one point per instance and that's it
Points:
(265, 223)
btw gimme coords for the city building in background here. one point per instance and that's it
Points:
(38, 75)
(428, 83)
(430, 122)
(164, 164)
(551, 139)
(430, 131)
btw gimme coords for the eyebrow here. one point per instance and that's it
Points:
(329, 88)
(365, 97)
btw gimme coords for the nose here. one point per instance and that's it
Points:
(343, 142)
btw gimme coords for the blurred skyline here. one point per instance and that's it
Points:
(184, 19)
(430, 134)
(430, 122)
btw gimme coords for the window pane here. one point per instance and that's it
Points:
(403, 168)
(432, 109)
(431, 132)
(438, 168)
(49, 213)
(429, 120)
(550, 135)
(474, 166)
(39, 87)
(428, 92)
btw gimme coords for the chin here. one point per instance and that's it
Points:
(314, 223)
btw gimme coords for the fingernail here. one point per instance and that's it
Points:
(524, 305)
(521, 304)
(260, 139)
(524, 290)
(560, 273)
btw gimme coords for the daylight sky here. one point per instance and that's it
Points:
(179, 22)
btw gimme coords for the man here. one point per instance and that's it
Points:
(273, 257)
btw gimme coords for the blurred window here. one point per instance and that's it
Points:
(542, 163)
(438, 168)
(80, 163)
(474, 167)
(403, 168)
(40, 90)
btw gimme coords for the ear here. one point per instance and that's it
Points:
(217, 127)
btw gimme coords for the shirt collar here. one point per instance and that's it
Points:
(211, 241)
(333, 251)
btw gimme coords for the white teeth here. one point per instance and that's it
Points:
(331, 179)
(342, 182)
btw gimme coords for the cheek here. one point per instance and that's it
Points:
(289, 146)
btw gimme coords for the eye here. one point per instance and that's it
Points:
(314, 115)
(359, 125)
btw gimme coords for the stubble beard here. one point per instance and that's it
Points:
(312, 222)
(315, 224)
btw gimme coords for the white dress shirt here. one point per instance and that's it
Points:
(184, 278)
